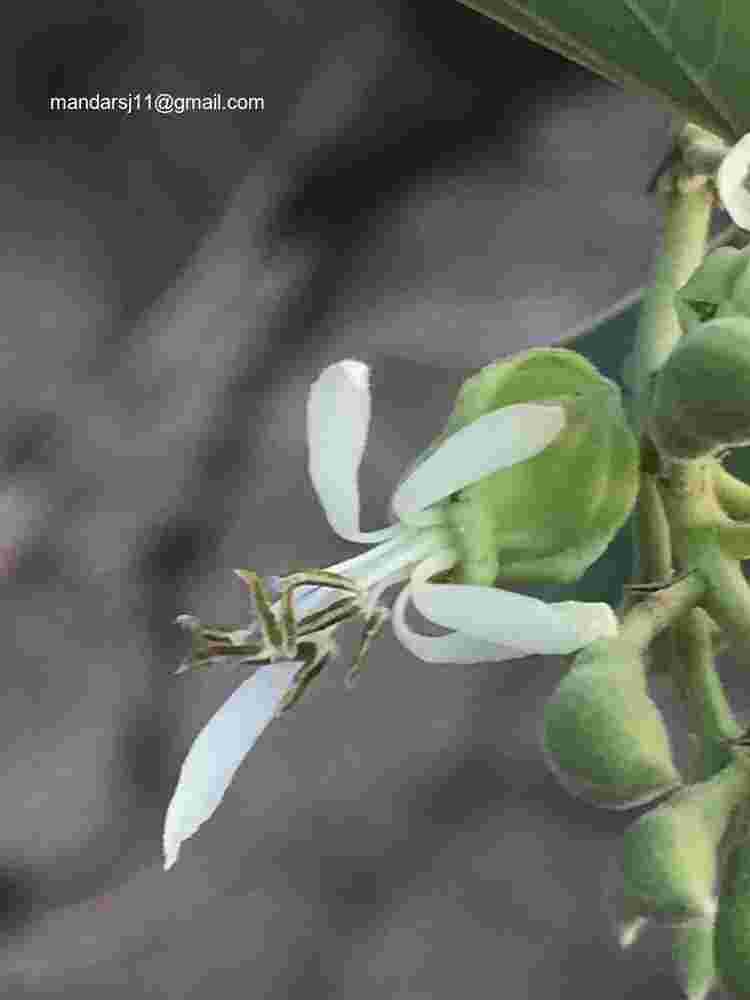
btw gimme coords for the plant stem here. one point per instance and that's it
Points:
(656, 612)
(653, 546)
(687, 216)
(728, 597)
(732, 493)
(709, 713)
(695, 519)
(654, 542)
(686, 221)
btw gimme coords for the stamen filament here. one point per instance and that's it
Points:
(414, 550)
(350, 566)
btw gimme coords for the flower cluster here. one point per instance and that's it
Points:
(514, 416)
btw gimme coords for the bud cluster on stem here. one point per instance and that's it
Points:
(692, 392)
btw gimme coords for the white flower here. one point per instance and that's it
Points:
(732, 180)
(487, 624)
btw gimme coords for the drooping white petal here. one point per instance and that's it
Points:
(494, 441)
(455, 647)
(732, 181)
(516, 620)
(338, 421)
(218, 751)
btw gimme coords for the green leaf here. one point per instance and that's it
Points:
(693, 54)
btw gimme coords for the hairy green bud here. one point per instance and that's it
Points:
(700, 400)
(670, 855)
(603, 736)
(548, 518)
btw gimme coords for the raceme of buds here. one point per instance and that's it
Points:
(700, 399)
(732, 929)
(603, 736)
(547, 519)
(669, 858)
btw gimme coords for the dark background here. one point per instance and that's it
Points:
(423, 191)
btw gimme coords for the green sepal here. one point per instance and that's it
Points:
(549, 518)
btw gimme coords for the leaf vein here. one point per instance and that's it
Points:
(698, 77)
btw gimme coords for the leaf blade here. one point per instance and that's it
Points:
(691, 53)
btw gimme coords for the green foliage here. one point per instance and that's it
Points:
(693, 54)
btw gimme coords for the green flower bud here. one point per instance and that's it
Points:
(548, 518)
(669, 858)
(732, 930)
(700, 400)
(603, 736)
(711, 288)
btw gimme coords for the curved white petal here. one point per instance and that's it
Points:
(732, 179)
(451, 648)
(338, 421)
(494, 441)
(515, 620)
(218, 751)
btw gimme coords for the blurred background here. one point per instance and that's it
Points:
(423, 191)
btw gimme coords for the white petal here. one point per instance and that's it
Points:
(494, 441)
(591, 620)
(218, 751)
(516, 620)
(451, 648)
(731, 180)
(338, 421)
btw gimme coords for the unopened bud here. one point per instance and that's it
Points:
(603, 736)
(700, 401)
(669, 858)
